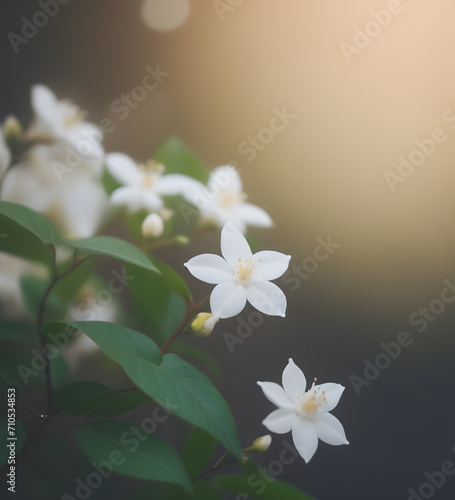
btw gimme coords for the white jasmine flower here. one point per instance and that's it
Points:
(5, 155)
(64, 121)
(143, 185)
(241, 276)
(223, 200)
(306, 414)
(75, 202)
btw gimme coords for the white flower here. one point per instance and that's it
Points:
(63, 121)
(5, 155)
(203, 324)
(75, 202)
(143, 185)
(241, 276)
(304, 413)
(223, 200)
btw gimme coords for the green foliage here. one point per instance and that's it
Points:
(178, 159)
(85, 397)
(115, 248)
(159, 309)
(18, 331)
(147, 458)
(255, 483)
(202, 491)
(197, 451)
(172, 382)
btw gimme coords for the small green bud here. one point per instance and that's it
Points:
(181, 240)
(12, 129)
(259, 445)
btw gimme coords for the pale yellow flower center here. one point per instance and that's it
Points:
(245, 269)
(151, 172)
(227, 199)
(74, 115)
(311, 401)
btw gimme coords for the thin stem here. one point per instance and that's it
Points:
(41, 311)
(191, 309)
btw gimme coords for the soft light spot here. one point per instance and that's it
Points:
(165, 15)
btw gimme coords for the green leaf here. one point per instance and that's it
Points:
(257, 484)
(79, 398)
(151, 458)
(19, 433)
(18, 331)
(197, 451)
(159, 309)
(60, 372)
(32, 221)
(191, 351)
(172, 279)
(202, 491)
(115, 248)
(172, 382)
(178, 159)
(26, 233)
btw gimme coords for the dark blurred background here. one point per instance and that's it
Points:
(323, 176)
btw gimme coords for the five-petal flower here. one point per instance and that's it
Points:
(143, 185)
(306, 414)
(241, 276)
(223, 200)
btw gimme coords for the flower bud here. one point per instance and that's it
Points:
(203, 324)
(153, 226)
(181, 240)
(12, 129)
(259, 445)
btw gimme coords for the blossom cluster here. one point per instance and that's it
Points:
(56, 167)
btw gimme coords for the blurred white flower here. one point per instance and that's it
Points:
(304, 413)
(143, 185)
(75, 202)
(223, 200)
(241, 276)
(152, 226)
(63, 121)
(12, 269)
(5, 155)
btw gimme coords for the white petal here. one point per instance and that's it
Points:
(227, 299)
(332, 393)
(210, 268)
(266, 298)
(252, 215)
(275, 393)
(305, 438)
(280, 421)
(126, 196)
(233, 244)
(123, 168)
(44, 103)
(176, 184)
(270, 265)
(5, 155)
(225, 177)
(294, 381)
(84, 202)
(149, 200)
(329, 429)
